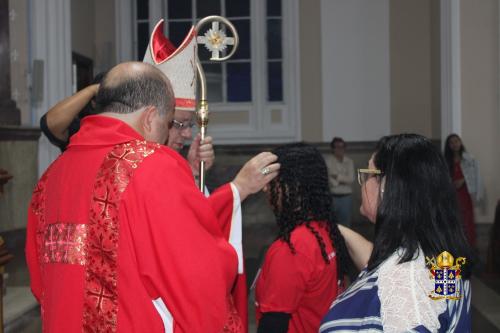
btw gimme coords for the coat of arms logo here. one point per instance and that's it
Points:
(445, 271)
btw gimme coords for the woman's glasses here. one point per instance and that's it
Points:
(365, 174)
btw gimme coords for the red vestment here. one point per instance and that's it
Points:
(119, 239)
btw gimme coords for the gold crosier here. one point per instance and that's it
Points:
(216, 41)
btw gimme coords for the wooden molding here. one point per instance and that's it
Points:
(16, 133)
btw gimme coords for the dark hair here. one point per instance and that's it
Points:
(89, 109)
(98, 77)
(300, 195)
(419, 205)
(336, 140)
(448, 153)
(134, 92)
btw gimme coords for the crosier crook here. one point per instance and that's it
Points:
(215, 40)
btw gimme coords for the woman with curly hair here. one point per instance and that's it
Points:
(304, 268)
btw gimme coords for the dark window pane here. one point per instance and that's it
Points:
(213, 74)
(207, 7)
(203, 53)
(237, 8)
(239, 87)
(274, 39)
(179, 9)
(273, 7)
(142, 39)
(177, 31)
(274, 82)
(142, 9)
(243, 28)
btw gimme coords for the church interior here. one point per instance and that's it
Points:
(304, 71)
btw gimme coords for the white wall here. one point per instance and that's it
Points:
(19, 58)
(93, 27)
(413, 86)
(105, 40)
(311, 109)
(83, 25)
(51, 43)
(480, 113)
(356, 70)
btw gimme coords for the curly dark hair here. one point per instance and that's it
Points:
(300, 195)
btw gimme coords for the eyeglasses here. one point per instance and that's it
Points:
(182, 126)
(365, 174)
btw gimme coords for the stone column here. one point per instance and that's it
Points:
(9, 113)
(51, 45)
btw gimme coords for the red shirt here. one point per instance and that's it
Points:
(117, 222)
(300, 284)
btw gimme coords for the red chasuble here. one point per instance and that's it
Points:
(119, 239)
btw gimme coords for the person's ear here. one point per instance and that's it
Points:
(147, 118)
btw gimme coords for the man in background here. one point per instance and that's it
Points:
(341, 176)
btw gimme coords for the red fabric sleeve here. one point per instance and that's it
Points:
(221, 201)
(32, 255)
(240, 298)
(285, 277)
(178, 259)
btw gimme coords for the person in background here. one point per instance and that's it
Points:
(464, 171)
(63, 119)
(341, 177)
(407, 193)
(304, 268)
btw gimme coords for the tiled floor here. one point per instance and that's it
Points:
(486, 302)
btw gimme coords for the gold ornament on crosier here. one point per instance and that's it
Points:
(216, 41)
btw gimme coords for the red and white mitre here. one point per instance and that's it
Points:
(177, 63)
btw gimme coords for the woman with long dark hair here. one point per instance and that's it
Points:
(407, 193)
(464, 171)
(304, 268)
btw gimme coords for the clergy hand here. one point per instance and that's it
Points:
(256, 173)
(200, 151)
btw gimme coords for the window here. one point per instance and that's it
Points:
(142, 31)
(274, 51)
(247, 94)
(229, 81)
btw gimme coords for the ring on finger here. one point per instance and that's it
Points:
(265, 171)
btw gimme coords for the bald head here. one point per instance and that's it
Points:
(129, 70)
(132, 86)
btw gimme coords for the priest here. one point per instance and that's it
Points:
(119, 238)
